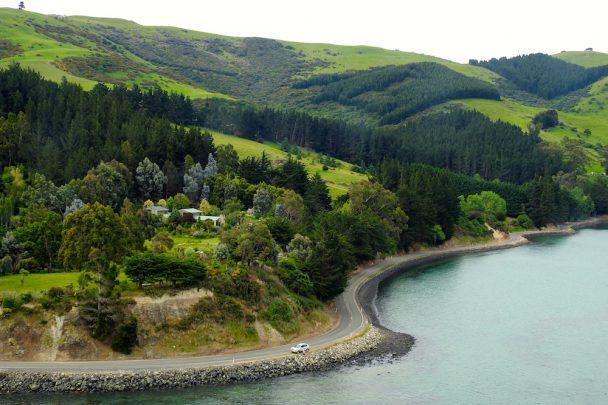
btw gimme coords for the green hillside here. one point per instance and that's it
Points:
(344, 58)
(52, 45)
(87, 50)
(337, 178)
(584, 58)
(201, 65)
(589, 113)
(574, 124)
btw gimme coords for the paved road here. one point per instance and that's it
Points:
(352, 320)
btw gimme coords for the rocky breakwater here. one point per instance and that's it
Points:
(375, 341)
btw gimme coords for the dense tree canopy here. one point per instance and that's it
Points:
(542, 74)
(64, 130)
(394, 93)
(462, 141)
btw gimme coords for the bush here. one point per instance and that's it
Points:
(281, 316)
(244, 285)
(56, 292)
(30, 264)
(546, 119)
(6, 265)
(472, 227)
(281, 230)
(220, 309)
(295, 279)
(26, 297)
(148, 267)
(162, 242)
(524, 221)
(125, 337)
(9, 302)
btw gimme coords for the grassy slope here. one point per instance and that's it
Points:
(342, 58)
(520, 115)
(590, 113)
(338, 179)
(584, 58)
(40, 51)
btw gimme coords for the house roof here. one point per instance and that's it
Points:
(157, 208)
(211, 217)
(190, 211)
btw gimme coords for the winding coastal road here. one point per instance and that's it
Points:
(352, 318)
(351, 321)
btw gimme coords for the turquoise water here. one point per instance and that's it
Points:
(522, 326)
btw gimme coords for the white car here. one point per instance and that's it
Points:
(300, 348)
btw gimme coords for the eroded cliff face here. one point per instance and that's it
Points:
(158, 311)
(39, 335)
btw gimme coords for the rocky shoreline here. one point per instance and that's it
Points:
(375, 342)
(19, 382)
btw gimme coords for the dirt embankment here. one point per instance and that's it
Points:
(46, 336)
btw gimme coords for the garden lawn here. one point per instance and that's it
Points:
(37, 282)
(184, 242)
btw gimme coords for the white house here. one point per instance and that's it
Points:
(197, 215)
(191, 211)
(216, 220)
(158, 210)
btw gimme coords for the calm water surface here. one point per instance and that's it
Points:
(521, 326)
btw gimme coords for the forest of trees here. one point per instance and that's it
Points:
(79, 169)
(543, 75)
(463, 141)
(394, 93)
(63, 131)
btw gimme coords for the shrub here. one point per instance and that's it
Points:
(281, 230)
(6, 265)
(221, 252)
(9, 302)
(525, 221)
(125, 337)
(162, 242)
(26, 297)
(281, 316)
(220, 309)
(56, 292)
(29, 264)
(244, 286)
(295, 279)
(472, 227)
(148, 267)
(546, 119)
